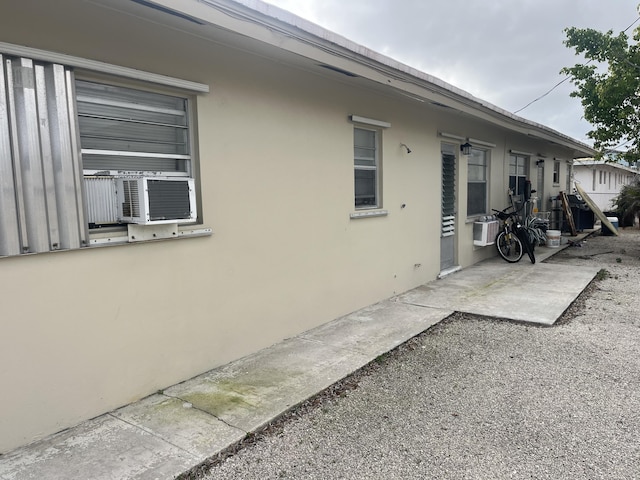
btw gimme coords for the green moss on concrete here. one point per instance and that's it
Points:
(224, 396)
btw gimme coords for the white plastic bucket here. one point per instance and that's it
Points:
(553, 238)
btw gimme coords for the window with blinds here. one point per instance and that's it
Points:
(518, 171)
(477, 190)
(556, 172)
(365, 147)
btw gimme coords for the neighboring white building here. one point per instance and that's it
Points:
(293, 177)
(602, 180)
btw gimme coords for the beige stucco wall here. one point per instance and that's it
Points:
(87, 331)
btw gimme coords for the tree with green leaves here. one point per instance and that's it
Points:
(627, 203)
(608, 84)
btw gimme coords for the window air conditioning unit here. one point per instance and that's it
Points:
(156, 200)
(484, 233)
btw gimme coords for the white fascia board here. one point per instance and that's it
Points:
(279, 28)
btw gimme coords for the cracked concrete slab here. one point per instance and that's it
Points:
(180, 424)
(105, 448)
(376, 329)
(524, 292)
(250, 392)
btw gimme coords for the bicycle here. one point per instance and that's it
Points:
(512, 240)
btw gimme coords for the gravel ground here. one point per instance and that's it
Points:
(479, 398)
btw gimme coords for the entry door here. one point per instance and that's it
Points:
(448, 219)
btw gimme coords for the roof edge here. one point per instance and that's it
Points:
(291, 20)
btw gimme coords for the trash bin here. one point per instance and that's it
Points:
(583, 217)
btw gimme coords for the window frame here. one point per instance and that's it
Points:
(526, 160)
(376, 167)
(486, 166)
(113, 229)
(556, 173)
(56, 95)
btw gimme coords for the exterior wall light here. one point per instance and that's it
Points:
(465, 148)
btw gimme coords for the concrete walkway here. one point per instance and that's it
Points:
(168, 433)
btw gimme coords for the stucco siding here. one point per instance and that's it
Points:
(89, 330)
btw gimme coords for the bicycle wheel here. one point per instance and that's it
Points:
(526, 243)
(509, 247)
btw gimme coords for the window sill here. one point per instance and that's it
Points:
(141, 233)
(369, 213)
(477, 218)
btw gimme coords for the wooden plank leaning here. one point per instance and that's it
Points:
(567, 213)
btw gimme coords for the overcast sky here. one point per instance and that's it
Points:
(507, 52)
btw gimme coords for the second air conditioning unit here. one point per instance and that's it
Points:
(156, 200)
(484, 233)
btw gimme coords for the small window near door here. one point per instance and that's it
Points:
(518, 168)
(477, 166)
(366, 166)
(556, 172)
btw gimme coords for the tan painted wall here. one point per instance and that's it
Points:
(87, 331)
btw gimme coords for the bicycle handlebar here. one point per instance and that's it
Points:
(503, 215)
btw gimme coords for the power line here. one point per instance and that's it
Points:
(614, 149)
(635, 21)
(566, 78)
(544, 94)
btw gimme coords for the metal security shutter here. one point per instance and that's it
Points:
(448, 194)
(40, 166)
(124, 129)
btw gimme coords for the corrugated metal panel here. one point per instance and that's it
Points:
(40, 165)
(9, 230)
